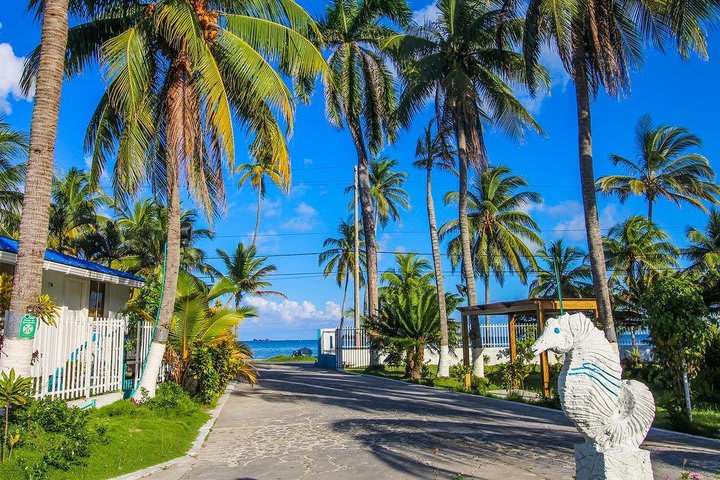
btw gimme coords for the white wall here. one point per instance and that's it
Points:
(74, 293)
(497, 356)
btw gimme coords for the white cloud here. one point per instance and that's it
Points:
(10, 73)
(574, 228)
(305, 218)
(289, 312)
(267, 241)
(559, 79)
(429, 13)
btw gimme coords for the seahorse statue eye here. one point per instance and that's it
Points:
(557, 330)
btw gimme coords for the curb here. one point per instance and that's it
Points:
(194, 449)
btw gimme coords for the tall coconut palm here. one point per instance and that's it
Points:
(33, 231)
(664, 168)
(248, 272)
(338, 257)
(177, 71)
(13, 145)
(469, 66)
(573, 271)
(433, 151)
(255, 173)
(502, 231)
(704, 249)
(75, 210)
(361, 94)
(598, 43)
(637, 248)
(410, 273)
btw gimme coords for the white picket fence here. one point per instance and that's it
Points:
(352, 347)
(498, 335)
(81, 357)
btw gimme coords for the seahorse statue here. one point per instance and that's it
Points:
(611, 413)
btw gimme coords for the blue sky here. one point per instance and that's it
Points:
(672, 91)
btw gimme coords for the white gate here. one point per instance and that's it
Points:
(352, 347)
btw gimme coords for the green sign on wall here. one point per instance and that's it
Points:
(28, 325)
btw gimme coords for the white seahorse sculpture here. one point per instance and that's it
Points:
(611, 413)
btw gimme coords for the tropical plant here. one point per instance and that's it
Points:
(255, 173)
(410, 272)
(434, 151)
(704, 255)
(33, 229)
(467, 64)
(248, 272)
(361, 94)
(75, 210)
(13, 144)
(338, 257)
(598, 44)
(176, 72)
(103, 245)
(45, 309)
(502, 231)
(664, 169)
(572, 269)
(14, 392)
(5, 291)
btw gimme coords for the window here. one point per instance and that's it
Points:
(96, 306)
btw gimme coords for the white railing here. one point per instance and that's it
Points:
(498, 335)
(352, 347)
(81, 357)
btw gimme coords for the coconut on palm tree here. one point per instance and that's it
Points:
(598, 44)
(433, 151)
(572, 269)
(177, 72)
(248, 272)
(361, 95)
(255, 173)
(468, 65)
(338, 257)
(665, 168)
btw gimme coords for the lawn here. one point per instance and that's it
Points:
(706, 417)
(288, 358)
(122, 438)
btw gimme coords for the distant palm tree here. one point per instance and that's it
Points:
(664, 168)
(247, 272)
(103, 245)
(75, 210)
(468, 65)
(13, 145)
(361, 94)
(409, 273)
(638, 249)
(255, 173)
(386, 189)
(572, 267)
(704, 248)
(434, 151)
(501, 230)
(338, 257)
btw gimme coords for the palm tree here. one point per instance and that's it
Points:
(468, 65)
(255, 173)
(637, 249)
(386, 189)
(103, 245)
(247, 272)
(500, 228)
(13, 144)
(338, 257)
(598, 43)
(361, 94)
(33, 231)
(171, 108)
(75, 210)
(410, 273)
(664, 168)
(572, 269)
(704, 249)
(433, 151)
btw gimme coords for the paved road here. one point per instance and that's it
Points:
(302, 422)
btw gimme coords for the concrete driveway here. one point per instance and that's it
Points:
(304, 422)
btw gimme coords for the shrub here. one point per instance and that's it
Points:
(171, 397)
(680, 333)
(458, 371)
(479, 385)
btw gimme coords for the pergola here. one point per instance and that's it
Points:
(540, 308)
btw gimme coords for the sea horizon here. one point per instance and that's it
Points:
(266, 348)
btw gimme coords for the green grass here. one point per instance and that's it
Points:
(288, 358)
(135, 438)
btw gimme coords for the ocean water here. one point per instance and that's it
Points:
(270, 348)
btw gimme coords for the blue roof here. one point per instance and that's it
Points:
(11, 246)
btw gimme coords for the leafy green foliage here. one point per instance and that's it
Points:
(678, 322)
(14, 392)
(515, 372)
(45, 309)
(212, 366)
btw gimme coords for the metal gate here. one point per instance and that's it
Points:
(352, 347)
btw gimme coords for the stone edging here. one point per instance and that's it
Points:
(499, 399)
(194, 449)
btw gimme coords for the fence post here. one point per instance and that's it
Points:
(88, 355)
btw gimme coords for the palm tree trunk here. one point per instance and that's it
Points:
(151, 370)
(587, 182)
(467, 263)
(342, 309)
(257, 215)
(444, 362)
(27, 282)
(650, 211)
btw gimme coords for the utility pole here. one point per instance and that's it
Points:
(357, 253)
